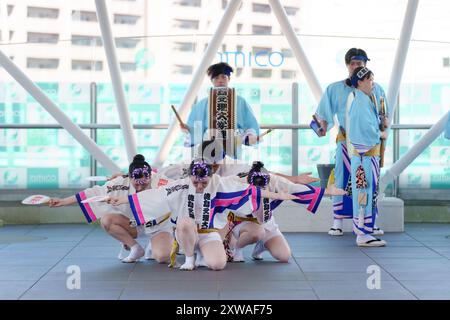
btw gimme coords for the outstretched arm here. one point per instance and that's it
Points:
(303, 178)
(277, 195)
(58, 202)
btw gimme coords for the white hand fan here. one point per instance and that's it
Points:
(36, 199)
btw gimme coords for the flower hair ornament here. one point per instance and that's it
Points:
(141, 175)
(203, 169)
(259, 174)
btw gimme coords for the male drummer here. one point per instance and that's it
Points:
(246, 124)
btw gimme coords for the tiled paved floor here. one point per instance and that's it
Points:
(414, 265)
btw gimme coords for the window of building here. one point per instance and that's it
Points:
(262, 8)
(238, 72)
(87, 65)
(446, 62)
(261, 73)
(256, 29)
(239, 48)
(188, 3)
(184, 46)
(46, 13)
(35, 37)
(287, 53)
(127, 66)
(127, 43)
(186, 24)
(291, 11)
(183, 69)
(259, 49)
(125, 19)
(78, 40)
(42, 63)
(239, 27)
(10, 9)
(11, 34)
(224, 4)
(87, 16)
(288, 74)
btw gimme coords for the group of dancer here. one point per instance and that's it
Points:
(214, 206)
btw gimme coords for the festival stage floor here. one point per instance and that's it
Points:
(414, 265)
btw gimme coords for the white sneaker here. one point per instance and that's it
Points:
(148, 252)
(124, 251)
(258, 250)
(336, 232)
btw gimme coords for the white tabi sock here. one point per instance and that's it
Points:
(189, 264)
(364, 238)
(338, 224)
(238, 255)
(136, 253)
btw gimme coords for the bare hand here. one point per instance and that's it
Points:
(56, 202)
(116, 201)
(304, 178)
(384, 135)
(252, 139)
(184, 127)
(324, 126)
(333, 191)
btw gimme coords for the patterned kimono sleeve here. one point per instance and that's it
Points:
(306, 194)
(233, 195)
(92, 211)
(149, 205)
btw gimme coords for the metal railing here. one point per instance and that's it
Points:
(295, 126)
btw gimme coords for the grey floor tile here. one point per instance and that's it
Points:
(345, 276)
(28, 261)
(263, 285)
(188, 289)
(21, 272)
(346, 252)
(94, 252)
(57, 290)
(334, 264)
(343, 290)
(175, 295)
(12, 290)
(401, 252)
(151, 270)
(269, 295)
(413, 264)
(429, 290)
(262, 270)
(443, 251)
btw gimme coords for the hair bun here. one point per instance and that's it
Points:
(257, 165)
(139, 158)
